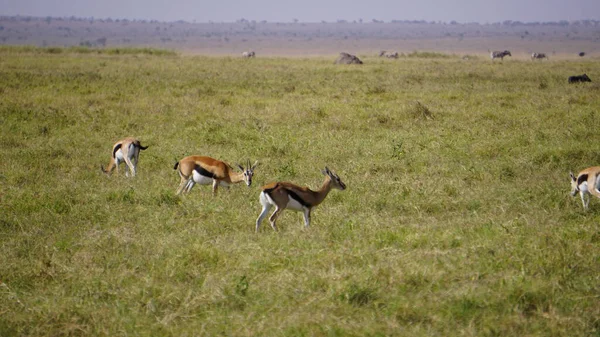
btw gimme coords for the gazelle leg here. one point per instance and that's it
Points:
(189, 185)
(182, 185)
(261, 217)
(215, 186)
(130, 165)
(585, 202)
(306, 217)
(274, 216)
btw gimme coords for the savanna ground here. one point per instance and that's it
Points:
(456, 220)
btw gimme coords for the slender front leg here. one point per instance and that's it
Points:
(586, 203)
(273, 218)
(306, 217)
(215, 186)
(262, 216)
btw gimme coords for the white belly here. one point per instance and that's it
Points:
(294, 205)
(119, 156)
(203, 180)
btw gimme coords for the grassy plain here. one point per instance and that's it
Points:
(456, 220)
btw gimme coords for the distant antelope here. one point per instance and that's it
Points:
(285, 195)
(248, 54)
(586, 183)
(539, 56)
(126, 150)
(499, 54)
(205, 171)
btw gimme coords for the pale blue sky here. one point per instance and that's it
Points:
(311, 10)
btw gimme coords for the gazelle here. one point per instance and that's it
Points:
(284, 195)
(205, 171)
(126, 150)
(586, 182)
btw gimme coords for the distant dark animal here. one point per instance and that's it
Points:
(582, 54)
(580, 78)
(539, 56)
(382, 53)
(499, 54)
(346, 58)
(248, 54)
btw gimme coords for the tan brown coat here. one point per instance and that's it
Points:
(206, 170)
(284, 195)
(125, 150)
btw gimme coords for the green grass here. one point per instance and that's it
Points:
(456, 219)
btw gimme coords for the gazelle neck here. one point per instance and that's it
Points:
(322, 192)
(236, 177)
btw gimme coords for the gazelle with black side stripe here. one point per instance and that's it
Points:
(206, 170)
(586, 183)
(126, 150)
(285, 195)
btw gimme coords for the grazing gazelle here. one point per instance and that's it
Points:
(284, 195)
(586, 182)
(126, 150)
(205, 171)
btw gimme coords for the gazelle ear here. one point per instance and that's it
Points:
(254, 165)
(326, 171)
(239, 166)
(572, 175)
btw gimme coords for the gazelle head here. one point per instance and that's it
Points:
(248, 171)
(336, 182)
(574, 184)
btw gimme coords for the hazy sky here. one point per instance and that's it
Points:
(311, 10)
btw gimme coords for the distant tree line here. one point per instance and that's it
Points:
(49, 19)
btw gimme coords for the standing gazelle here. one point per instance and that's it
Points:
(586, 182)
(126, 150)
(205, 171)
(284, 195)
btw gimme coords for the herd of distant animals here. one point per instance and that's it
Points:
(346, 58)
(204, 170)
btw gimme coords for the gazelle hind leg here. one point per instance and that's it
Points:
(182, 186)
(130, 165)
(188, 187)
